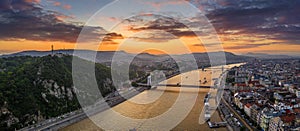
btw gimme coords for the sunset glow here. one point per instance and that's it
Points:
(269, 33)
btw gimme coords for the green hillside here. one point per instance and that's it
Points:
(36, 88)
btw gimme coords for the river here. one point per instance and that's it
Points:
(155, 102)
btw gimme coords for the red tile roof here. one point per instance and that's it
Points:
(296, 110)
(248, 105)
(241, 84)
(288, 118)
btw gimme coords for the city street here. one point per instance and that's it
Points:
(237, 115)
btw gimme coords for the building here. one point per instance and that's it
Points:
(265, 115)
(274, 124)
(254, 110)
(282, 123)
(247, 109)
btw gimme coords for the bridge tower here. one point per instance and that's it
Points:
(222, 68)
(149, 80)
(52, 50)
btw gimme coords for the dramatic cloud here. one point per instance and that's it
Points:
(273, 19)
(5, 4)
(25, 19)
(276, 20)
(109, 37)
(154, 36)
(153, 23)
(241, 24)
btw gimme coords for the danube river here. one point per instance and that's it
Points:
(153, 103)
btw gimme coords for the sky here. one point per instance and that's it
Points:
(238, 26)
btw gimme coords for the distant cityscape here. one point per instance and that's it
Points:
(264, 94)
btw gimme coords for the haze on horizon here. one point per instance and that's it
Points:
(258, 26)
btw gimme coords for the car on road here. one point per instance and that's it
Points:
(235, 119)
(239, 124)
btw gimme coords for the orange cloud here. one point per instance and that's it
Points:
(63, 17)
(67, 7)
(33, 1)
(113, 19)
(56, 3)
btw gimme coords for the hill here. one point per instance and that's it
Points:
(105, 57)
(36, 88)
(267, 56)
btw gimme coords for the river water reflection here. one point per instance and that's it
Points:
(161, 100)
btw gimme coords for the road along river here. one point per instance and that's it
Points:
(150, 104)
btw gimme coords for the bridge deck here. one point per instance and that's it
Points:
(178, 85)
